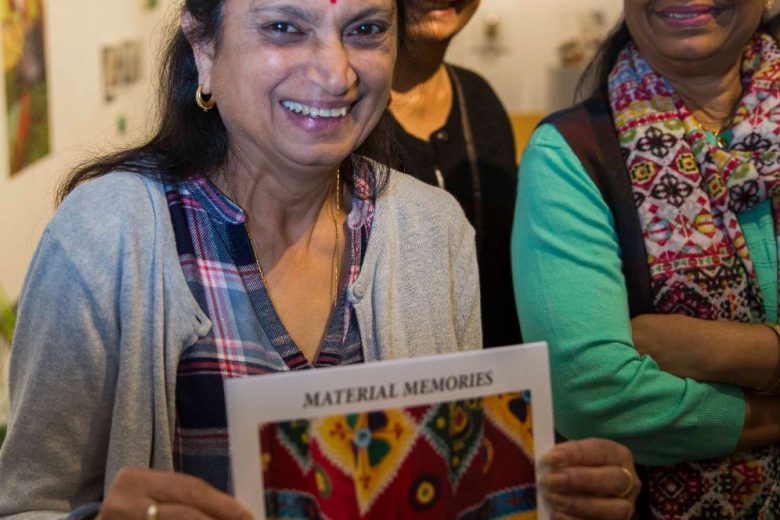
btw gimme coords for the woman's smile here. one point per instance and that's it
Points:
(433, 6)
(439, 20)
(689, 15)
(313, 116)
(315, 111)
(676, 36)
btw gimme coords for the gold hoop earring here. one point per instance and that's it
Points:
(204, 104)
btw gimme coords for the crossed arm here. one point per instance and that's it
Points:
(739, 354)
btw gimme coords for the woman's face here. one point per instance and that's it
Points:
(300, 82)
(674, 33)
(437, 20)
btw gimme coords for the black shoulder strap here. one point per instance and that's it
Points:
(590, 132)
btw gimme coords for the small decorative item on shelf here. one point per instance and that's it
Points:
(573, 55)
(122, 68)
(493, 38)
(491, 26)
(577, 51)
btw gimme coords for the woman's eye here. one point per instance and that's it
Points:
(282, 27)
(368, 29)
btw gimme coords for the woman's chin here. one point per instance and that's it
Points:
(694, 49)
(319, 157)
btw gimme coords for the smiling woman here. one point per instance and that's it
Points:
(648, 217)
(455, 134)
(249, 235)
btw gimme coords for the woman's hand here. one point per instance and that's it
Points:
(741, 354)
(591, 479)
(173, 495)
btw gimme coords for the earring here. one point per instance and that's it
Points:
(204, 104)
(769, 4)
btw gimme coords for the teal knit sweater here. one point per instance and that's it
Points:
(571, 292)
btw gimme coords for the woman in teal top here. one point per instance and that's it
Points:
(693, 93)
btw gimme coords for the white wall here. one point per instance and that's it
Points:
(530, 32)
(79, 119)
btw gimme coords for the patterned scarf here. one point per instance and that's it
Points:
(688, 193)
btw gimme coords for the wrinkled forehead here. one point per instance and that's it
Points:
(315, 10)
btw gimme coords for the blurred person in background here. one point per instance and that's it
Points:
(454, 133)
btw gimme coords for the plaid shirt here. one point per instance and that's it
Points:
(219, 265)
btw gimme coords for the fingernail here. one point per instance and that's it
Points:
(554, 459)
(557, 501)
(553, 481)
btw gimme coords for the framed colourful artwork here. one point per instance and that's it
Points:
(24, 67)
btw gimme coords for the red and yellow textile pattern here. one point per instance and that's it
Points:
(460, 459)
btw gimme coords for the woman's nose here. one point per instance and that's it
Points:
(331, 68)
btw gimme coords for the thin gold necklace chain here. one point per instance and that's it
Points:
(720, 141)
(336, 213)
(336, 257)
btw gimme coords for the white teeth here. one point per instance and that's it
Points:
(683, 16)
(315, 112)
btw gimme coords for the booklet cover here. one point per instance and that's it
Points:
(449, 436)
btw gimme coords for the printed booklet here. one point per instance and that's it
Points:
(447, 436)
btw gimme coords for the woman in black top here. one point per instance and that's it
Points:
(470, 153)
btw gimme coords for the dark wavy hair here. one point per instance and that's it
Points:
(188, 142)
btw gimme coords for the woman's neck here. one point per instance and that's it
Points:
(281, 207)
(422, 92)
(417, 63)
(711, 97)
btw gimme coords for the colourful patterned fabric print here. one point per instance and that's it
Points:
(688, 193)
(247, 336)
(462, 459)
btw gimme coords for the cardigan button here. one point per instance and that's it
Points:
(358, 291)
(443, 136)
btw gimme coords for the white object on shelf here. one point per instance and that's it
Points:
(563, 86)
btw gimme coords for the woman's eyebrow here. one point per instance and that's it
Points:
(285, 10)
(293, 12)
(376, 11)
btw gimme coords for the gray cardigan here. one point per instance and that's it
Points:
(106, 313)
